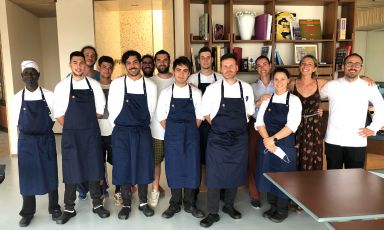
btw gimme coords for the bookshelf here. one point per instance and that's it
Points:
(223, 12)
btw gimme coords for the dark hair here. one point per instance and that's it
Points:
(314, 74)
(228, 56)
(130, 53)
(107, 59)
(182, 60)
(76, 54)
(353, 54)
(89, 47)
(263, 57)
(162, 52)
(281, 70)
(148, 56)
(205, 49)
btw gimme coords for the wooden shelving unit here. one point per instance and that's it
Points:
(332, 10)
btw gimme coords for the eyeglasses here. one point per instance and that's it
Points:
(351, 64)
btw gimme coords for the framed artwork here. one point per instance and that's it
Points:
(304, 49)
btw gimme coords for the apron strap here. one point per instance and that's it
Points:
(125, 84)
(287, 100)
(198, 77)
(144, 87)
(172, 91)
(214, 75)
(241, 91)
(89, 85)
(43, 97)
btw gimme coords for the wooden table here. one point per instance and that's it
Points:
(334, 195)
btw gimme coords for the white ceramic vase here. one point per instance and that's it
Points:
(246, 24)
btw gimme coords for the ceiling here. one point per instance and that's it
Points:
(46, 8)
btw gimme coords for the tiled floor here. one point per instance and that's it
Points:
(10, 203)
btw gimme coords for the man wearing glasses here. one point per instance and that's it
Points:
(346, 136)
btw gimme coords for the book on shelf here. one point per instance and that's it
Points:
(203, 27)
(341, 28)
(193, 61)
(279, 60)
(244, 65)
(218, 33)
(310, 29)
(252, 63)
(283, 21)
(238, 51)
(267, 51)
(295, 31)
(218, 56)
(263, 27)
(341, 53)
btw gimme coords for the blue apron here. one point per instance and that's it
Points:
(133, 158)
(275, 118)
(205, 126)
(227, 147)
(181, 144)
(81, 139)
(37, 157)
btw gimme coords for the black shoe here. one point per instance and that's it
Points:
(278, 217)
(255, 204)
(232, 212)
(65, 217)
(269, 213)
(172, 210)
(194, 211)
(25, 221)
(124, 213)
(209, 220)
(146, 210)
(56, 214)
(101, 211)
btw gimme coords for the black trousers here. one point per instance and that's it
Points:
(29, 204)
(126, 194)
(213, 199)
(106, 148)
(278, 204)
(70, 195)
(177, 197)
(351, 157)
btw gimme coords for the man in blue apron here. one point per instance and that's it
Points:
(226, 106)
(277, 120)
(37, 158)
(179, 112)
(132, 101)
(79, 100)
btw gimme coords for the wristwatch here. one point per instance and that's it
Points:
(275, 139)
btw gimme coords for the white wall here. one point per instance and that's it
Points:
(50, 66)
(374, 55)
(75, 27)
(20, 34)
(361, 45)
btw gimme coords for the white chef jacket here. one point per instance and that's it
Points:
(30, 96)
(348, 106)
(156, 129)
(212, 97)
(117, 93)
(61, 94)
(294, 113)
(164, 101)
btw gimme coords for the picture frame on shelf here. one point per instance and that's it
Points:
(300, 50)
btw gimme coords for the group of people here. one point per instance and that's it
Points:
(237, 130)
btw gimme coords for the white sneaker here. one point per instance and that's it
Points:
(118, 199)
(154, 199)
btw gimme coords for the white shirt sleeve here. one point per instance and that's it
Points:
(248, 99)
(61, 97)
(377, 101)
(16, 106)
(163, 104)
(115, 99)
(98, 95)
(324, 91)
(151, 96)
(294, 114)
(196, 95)
(260, 115)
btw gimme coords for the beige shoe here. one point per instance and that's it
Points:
(154, 199)
(118, 199)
